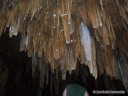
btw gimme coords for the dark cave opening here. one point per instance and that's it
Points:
(17, 67)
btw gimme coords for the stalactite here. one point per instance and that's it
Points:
(87, 43)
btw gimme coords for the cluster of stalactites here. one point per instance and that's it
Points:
(58, 32)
